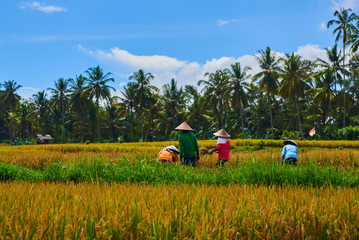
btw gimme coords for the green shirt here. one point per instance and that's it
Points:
(188, 144)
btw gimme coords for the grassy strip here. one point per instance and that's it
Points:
(123, 171)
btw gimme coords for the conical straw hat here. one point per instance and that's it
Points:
(173, 148)
(184, 126)
(285, 142)
(222, 133)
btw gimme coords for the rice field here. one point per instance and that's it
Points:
(120, 191)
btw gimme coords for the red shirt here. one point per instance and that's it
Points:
(223, 150)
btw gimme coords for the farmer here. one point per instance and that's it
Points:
(222, 147)
(188, 145)
(290, 152)
(168, 155)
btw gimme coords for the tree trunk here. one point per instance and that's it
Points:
(131, 124)
(98, 120)
(300, 126)
(344, 86)
(241, 114)
(270, 114)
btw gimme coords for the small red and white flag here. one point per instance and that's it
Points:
(312, 132)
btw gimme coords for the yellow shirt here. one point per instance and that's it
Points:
(164, 154)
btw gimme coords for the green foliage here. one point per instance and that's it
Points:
(149, 171)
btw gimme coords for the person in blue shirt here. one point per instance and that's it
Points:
(290, 152)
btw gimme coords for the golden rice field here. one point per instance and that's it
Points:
(39, 156)
(70, 211)
(109, 210)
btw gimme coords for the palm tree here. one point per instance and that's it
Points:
(344, 20)
(143, 89)
(173, 98)
(97, 87)
(237, 77)
(295, 78)
(40, 110)
(155, 112)
(334, 57)
(324, 96)
(9, 97)
(60, 96)
(126, 106)
(268, 78)
(77, 100)
(216, 90)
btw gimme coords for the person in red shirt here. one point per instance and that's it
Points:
(222, 148)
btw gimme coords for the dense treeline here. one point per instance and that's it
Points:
(288, 97)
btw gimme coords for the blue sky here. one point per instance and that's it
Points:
(42, 41)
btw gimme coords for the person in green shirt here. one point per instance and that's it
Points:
(188, 145)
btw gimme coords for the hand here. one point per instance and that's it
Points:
(197, 157)
(210, 152)
(181, 159)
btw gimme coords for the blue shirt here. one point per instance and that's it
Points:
(289, 151)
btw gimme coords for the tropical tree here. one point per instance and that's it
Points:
(324, 96)
(125, 107)
(77, 100)
(268, 77)
(60, 99)
(97, 87)
(334, 60)
(238, 76)
(143, 90)
(8, 97)
(295, 79)
(173, 98)
(38, 114)
(344, 21)
(216, 90)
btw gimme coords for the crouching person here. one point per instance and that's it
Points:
(223, 147)
(290, 152)
(168, 155)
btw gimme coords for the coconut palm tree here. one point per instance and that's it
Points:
(216, 91)
(173, 98)
(8, 97)
(238, 76)
(40, 111)
(143, 90)
(97, 87)
(60, 96)
(77, 100)
(324, 96)
(295, 79)
(344, 21)
(268, 77)
(126, 106)
(334, 60)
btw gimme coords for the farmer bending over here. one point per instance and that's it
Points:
(168, 155)
(290, 152)
(222, 147)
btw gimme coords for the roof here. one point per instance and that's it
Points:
(44, 137)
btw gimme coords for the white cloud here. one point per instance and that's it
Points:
(27, 92)
(42, 7)
(187, 73)
(337, 4)
(123, 57)
(224, 22)
(311, 52)
(322, 26)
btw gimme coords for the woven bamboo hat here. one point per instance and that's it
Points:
(291, 142)
(222, 133)
(184, 126)
(173, 148)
